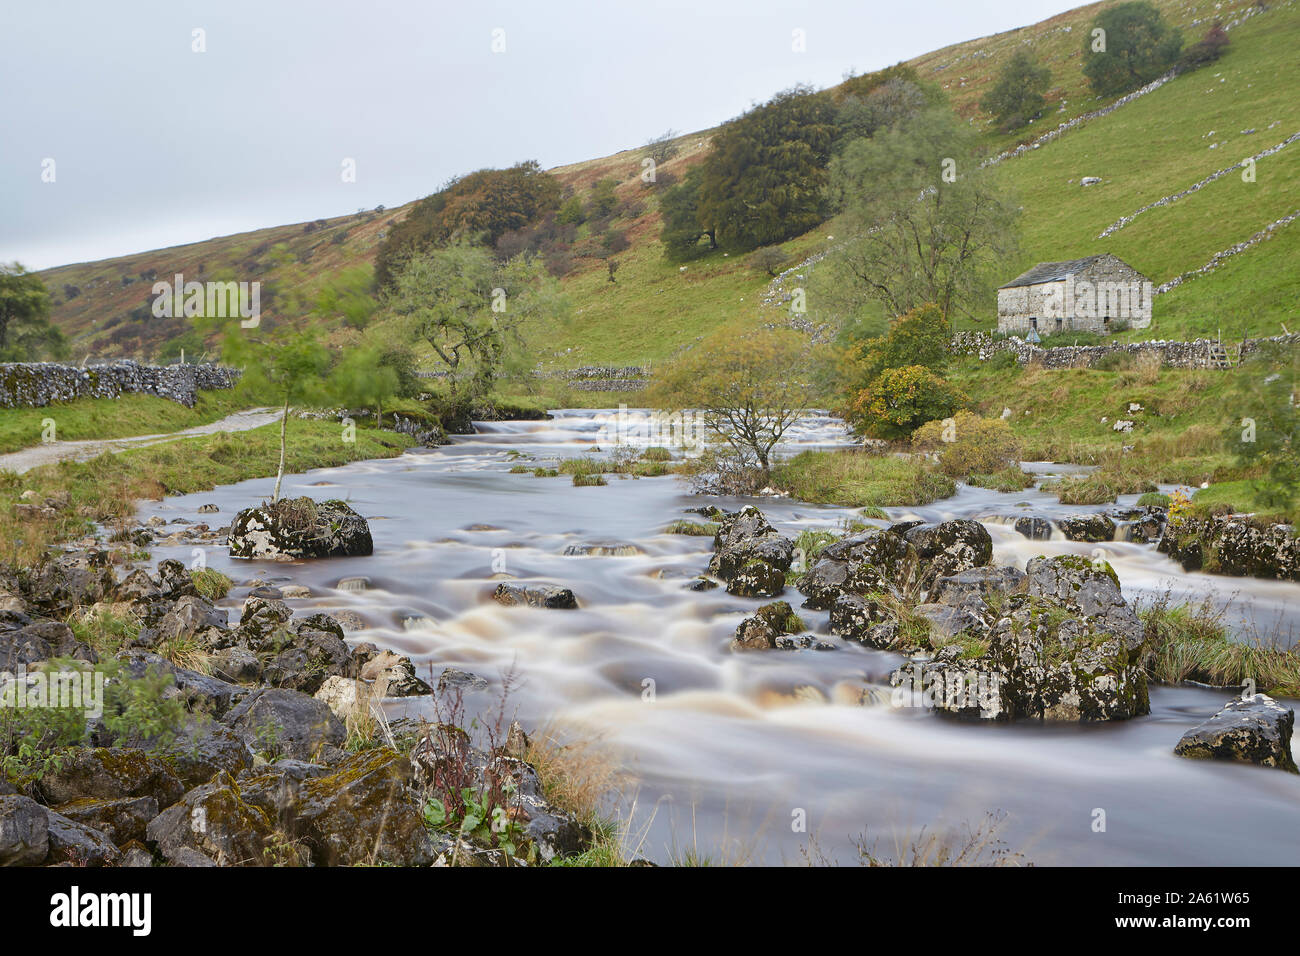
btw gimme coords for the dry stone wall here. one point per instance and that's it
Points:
(1194, 354)
(37, 384)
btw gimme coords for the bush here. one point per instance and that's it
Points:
(901, 400)
(970, 445)
(1017, 97)
(1209, 49)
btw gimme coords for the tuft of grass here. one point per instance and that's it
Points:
(211, 583)
(581, 777)
(1154, 499)
(582, 481)
(1007, 480)
(1190, 642)
(105, 629)
(697, 528)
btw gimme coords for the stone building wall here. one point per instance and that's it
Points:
(1082, 302)
(37, 384)
(1173, 354)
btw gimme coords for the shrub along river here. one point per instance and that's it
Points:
(728, 751)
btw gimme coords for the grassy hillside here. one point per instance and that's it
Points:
(1153, 147)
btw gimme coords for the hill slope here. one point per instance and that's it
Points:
(1158, 145)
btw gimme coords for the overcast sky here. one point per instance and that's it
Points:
(155, 145)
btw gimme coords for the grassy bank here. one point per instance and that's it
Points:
(123, 417)
(1190, 642)
(106, 488)
(856, 478)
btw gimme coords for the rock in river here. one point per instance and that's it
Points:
(1253, 729)
(300, 528)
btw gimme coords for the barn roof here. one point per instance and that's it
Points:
(1052, 271)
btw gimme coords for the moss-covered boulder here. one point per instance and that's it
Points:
(535, 595)
(300, 528)
(1040, 660)
(750, 555)
(1234, 544)
(1253, 730)
(122, 819)
(365, 811)
(1090, 528)
(903, 560)
(764, 630)
(215, 821)
(277, 722)
(110, 773)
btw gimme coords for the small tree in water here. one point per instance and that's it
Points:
(747, 386)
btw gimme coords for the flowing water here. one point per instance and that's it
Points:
(729, 752)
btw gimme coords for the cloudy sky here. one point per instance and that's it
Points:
(154, 144)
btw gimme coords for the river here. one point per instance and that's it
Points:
(730, 753)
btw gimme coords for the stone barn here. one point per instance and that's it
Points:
(1094, 294)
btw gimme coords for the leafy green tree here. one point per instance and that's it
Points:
(603, 198)
(366, 377)
(927, 224)
(1138, 47)
(680, 210)
(896, 97)
(765, 179)
(478, 208)
(571, 213)
(26, 332)
(348, 296)
(920, 337)
(748, 386)
(1017, 96)
(288, 366)
(474, 311)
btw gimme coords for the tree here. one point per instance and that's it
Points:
(603, 198)
(1137, 45)
(347, 296)
(290, 366)
(748, 387)
(769, 259)
(661, 148)
(765, 179)
(473, 311)
(920, 337)
(927, 223)
(25, 329)
(898, 97)
(680, 210)
(478, 208)
(1017, 96)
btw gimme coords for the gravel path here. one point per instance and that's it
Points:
(84, 450)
